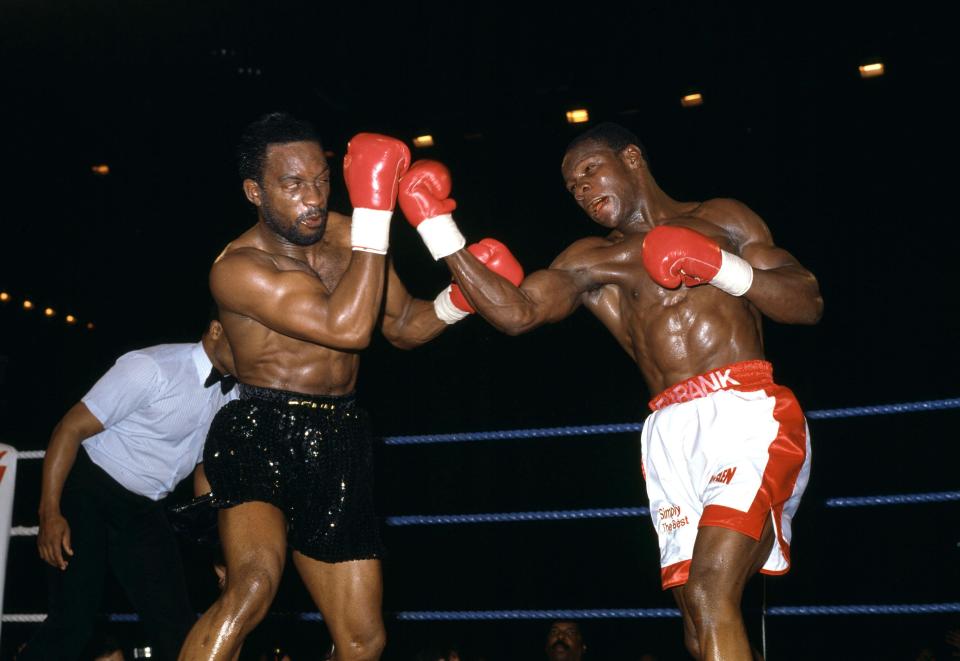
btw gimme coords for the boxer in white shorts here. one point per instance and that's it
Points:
(728, 448)
(682, 287)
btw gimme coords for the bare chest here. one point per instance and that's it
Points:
(637, 310)
(327, 263)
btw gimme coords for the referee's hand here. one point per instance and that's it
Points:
(53, 540)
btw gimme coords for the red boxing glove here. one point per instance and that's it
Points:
(678, 255)
(372, 169)
(425, 191)
(425, 201)
(451, 305)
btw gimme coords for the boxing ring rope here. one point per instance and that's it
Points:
(625, 427)
(605, 513)
(599, 513)
(619, 428)
(579, 614)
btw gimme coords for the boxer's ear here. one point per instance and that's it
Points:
(632, 156)
(252, 190)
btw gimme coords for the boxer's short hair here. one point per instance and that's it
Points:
(611, 135)
(275, 128)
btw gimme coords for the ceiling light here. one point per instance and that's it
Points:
(871, 70)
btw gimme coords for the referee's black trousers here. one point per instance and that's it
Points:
(113, 527)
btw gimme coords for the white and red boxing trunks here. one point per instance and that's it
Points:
(728, 448)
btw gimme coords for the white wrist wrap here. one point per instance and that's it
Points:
(735, 275)
(441, 235)
(446, 311)
(370, 230)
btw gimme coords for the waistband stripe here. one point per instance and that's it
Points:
(744, 374)
(291, 398)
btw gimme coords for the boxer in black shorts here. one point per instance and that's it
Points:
(310, 457)
(299, 295)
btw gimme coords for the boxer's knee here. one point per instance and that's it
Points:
(710, 603)
(363, 645)
(249, 591)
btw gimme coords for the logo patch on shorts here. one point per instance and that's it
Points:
(671, 514)
(724, 476)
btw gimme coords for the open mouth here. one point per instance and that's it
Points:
(596, 205)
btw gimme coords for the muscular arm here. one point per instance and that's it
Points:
(408, 322)
(544, 296)
(54, 537)
(297, 304)
(782, 289)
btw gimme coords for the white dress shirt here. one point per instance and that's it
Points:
(155, 412)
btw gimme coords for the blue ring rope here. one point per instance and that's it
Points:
(622, 613)
(507, 434)
(867, 609)
(620, 428)
(617, 512)
(500, 517)
(901, 499)
(625, 427)
(603, 513)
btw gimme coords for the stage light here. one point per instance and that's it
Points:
(28, 304)
(4, 296)
(423, 141)
(101, 170)
(90, 325)
(871, 70)
(70, 319)
(49, 312)
(578, 116)
(692, 100)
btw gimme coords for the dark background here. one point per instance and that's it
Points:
(855, 177)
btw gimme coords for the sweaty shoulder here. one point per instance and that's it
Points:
(235, 258)
(739, 221)
(238, 272)
(338, 229)
(580, 254)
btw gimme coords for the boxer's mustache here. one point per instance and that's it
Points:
(310, 214)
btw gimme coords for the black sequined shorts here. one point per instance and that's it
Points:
(308, 455)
